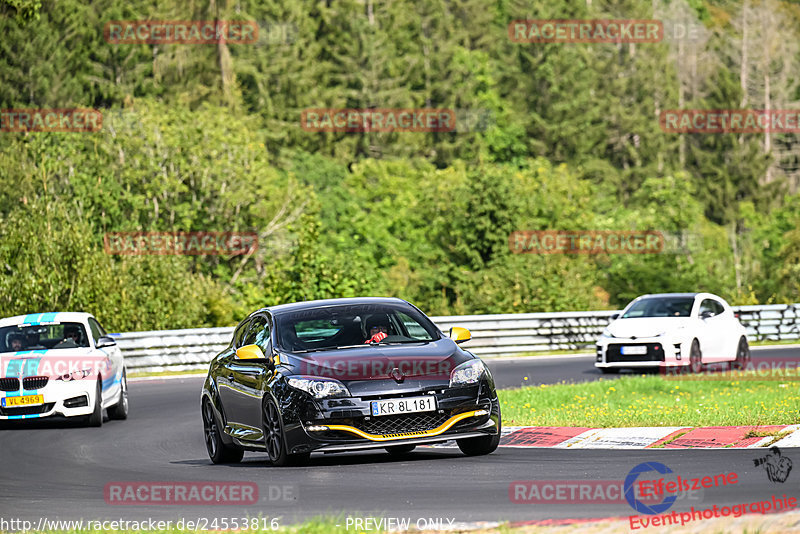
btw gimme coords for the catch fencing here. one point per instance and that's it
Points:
(492, 335)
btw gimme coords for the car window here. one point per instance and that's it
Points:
(709, 305)
(256, 333)
(660, 307)
(351, 325)
(260, 329)
(96, 329)
(52, 336)
(239, 333)
(718, 307)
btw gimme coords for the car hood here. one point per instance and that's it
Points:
(423, 361)
(647, 326)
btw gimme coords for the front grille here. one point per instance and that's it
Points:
(27, 410)
(395, 424)
(34, 382)
(655, 353)
(9, 384)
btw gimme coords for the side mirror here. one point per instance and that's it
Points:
(614, 316)
(250, 352)
(706, 314)
(459, 334)
(105, 341)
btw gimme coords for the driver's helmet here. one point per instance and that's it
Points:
(72, 330)
(377, 320)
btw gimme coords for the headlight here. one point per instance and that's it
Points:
(467, 373)
(319, 388)
(75, 375)
(606, 333)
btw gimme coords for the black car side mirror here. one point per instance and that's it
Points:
(105, 341)
(614, 316)
(706, 314)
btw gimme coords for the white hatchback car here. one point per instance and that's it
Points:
(60, 364)
(673, 330)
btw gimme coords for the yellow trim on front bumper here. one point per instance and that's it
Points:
(406, 435)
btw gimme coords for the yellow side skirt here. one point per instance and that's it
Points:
(404, 435)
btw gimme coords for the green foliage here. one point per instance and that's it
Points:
(208, 138)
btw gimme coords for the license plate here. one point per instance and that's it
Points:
(407, 405)
(637, 349)
(27, 400)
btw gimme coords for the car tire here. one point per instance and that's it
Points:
(609, 370)
(120, 410)
(695, 358)
(96, 417)
(742, 355)
(400, 450)
(218, 451)
(275, 438)
(484, 444)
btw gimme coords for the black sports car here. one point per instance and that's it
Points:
(345, 374)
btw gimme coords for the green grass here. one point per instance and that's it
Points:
(650, 400)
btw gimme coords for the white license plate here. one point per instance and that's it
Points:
(407, 405)
(636, 349)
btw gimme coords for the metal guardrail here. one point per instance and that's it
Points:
(492, 335)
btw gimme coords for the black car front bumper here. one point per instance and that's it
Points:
(347, 424)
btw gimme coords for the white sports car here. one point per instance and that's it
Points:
(673, 330)
(60, 364)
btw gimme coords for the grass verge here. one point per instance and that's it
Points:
(650, 400)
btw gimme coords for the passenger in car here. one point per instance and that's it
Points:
(16, 342)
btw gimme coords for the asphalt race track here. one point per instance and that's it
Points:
(59, 471)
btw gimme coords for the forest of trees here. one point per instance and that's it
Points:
(208, 137)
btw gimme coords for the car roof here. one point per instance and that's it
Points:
(47, 317)
(308, 304)
(655, 295)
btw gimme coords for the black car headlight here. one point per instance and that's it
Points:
(318, 387)
(467, 373)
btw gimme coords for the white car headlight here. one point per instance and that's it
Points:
(606, 333)
(75, 375)
(318, 387)
(467, 373)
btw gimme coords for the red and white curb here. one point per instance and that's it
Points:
(671, 437)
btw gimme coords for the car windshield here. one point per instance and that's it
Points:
(660, 307)
(353, 325)
(39, 337)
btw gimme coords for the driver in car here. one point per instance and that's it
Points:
(72, 338)
(377, 328)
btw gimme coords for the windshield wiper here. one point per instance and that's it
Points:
(320, 349)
